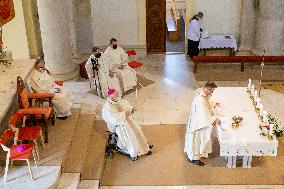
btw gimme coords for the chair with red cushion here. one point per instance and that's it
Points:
(22, 152)
(25, 133)
(135, 64)
(36, 113)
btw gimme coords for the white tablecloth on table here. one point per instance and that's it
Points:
(245, 140)
(218, 41)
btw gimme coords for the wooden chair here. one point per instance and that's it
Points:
(35, 113)
(135, 64)
(21, 152)
(25, 133)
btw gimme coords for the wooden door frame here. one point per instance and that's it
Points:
(164, 49)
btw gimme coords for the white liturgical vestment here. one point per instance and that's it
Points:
(127, 75)
(131, 138)
(199, 127)
(194, 32)
(42, 82)
(103, 78)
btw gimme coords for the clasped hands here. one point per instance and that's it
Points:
(121, 67)
(129, 112)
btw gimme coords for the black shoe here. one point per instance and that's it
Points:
(197, 162)
(133, 158)
(151, 146)
(62, 118)
(149, 153)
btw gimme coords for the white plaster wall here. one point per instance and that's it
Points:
(14, 34)
(180, 4)
(83, 25)
(112, 18)
(220, 16)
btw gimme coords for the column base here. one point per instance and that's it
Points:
(74, 74)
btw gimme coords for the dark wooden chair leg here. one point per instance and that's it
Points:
(194, 67)
(45, 131)
(242, 66)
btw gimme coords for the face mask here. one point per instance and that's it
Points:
(98, 55)
(114, 46)
(41, 70)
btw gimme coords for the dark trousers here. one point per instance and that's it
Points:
(192, 48)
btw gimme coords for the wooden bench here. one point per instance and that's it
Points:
(173, 24)
(236, 59)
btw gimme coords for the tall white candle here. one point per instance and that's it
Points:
(255, 95)
(265, 120)
(257, 102)
(252, 89)
(249, 83)
(260, 109)
(271, 129)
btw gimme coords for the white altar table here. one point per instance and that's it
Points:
(218, 42)
(246, 140)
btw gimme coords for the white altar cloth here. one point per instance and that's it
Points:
(245, 140)
(218, 41)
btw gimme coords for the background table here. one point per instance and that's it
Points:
(246, 140)
(218, 42)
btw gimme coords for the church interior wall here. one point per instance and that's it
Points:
(117, 19)
(14, 34)
(83, 25)
(32, 28)
(220, 16)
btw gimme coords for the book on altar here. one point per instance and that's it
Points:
(205, 35)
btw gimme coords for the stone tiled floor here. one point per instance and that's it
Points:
(166, 101)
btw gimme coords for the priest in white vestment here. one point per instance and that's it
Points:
(117, 113)
(98, 69)
(119, 63)
(201, 119)
(41, 81)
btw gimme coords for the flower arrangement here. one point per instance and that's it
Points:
(274, 124)
(3, 59)
(278, 129)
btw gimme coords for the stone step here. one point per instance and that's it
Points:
(69, 181)
(95, 159)
(89, 184)
(78, 149)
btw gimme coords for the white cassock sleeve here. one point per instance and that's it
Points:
(89, 68)
(112, 117)
(200, 116)
(41, 82)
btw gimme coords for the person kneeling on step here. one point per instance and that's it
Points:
(118, 114)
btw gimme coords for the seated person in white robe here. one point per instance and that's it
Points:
(117, 113)
(41, 81)
(119, 63)
(199, 127)
(98, 70)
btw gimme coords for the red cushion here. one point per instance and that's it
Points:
(29, 133)
(26, 154)
(131, 53)
(135, 64)
(60, 83)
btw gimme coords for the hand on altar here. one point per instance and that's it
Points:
(217, 122)
(134, 109)
(217, 104)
